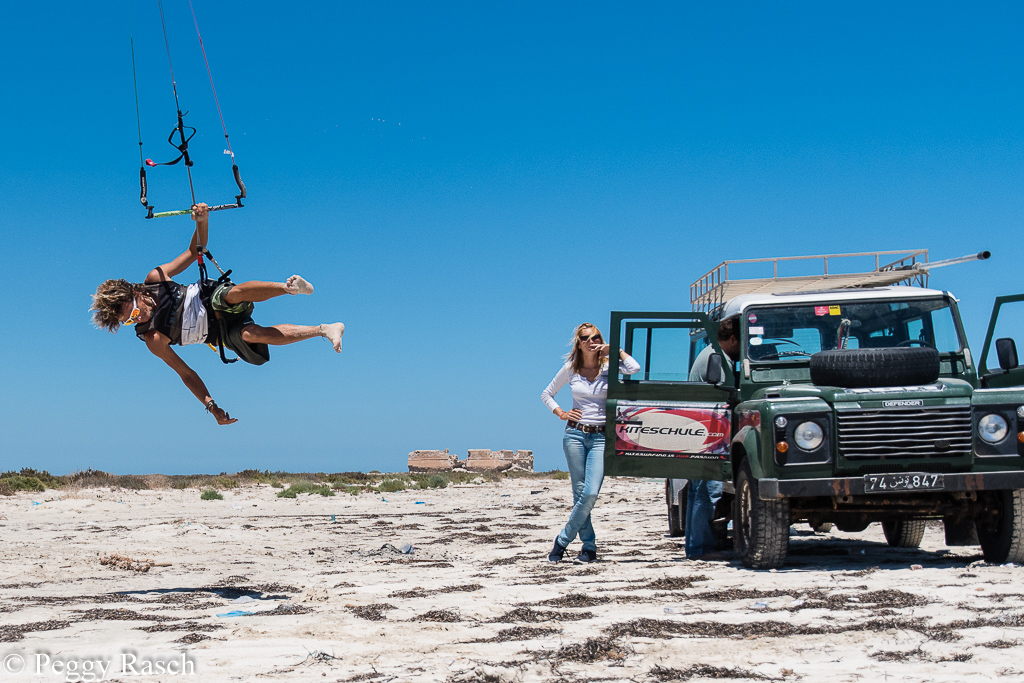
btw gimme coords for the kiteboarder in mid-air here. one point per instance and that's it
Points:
(213, 312)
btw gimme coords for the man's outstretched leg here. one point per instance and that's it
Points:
(279, 335)
(256, 291)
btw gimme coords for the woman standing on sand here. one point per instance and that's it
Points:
(586, 372)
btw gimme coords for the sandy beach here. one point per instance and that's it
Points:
(255, 587)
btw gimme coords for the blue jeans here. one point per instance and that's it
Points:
(701, 498)
(584, 454)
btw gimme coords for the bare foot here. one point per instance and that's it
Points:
(296, 284)
(333, 332)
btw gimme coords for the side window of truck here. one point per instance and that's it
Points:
(663, 352)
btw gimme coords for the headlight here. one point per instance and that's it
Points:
(992, 428)
(808, 435)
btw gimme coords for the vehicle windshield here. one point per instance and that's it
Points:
(789, 333)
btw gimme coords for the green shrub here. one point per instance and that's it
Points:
(557, 474)
(276, 484)
(17, 482)
(47, 479)
(305, 487)
(210, 494)
(391, 485)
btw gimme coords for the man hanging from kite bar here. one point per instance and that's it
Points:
(166, 313)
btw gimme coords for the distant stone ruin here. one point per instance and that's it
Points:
(478, 460)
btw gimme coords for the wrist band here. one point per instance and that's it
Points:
(211, 405)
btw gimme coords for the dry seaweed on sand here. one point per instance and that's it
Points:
(1000, 644)
(412, 593)
(465, 588)
(14, 632)
(181, 626)
(443, 615)
(99, 614)
(570, 600)
(372, 612)
(501, 561)
(533, 616)
(663, 674)
(730, 594)
(286, 609)
(593, 650)
(668, 583)
(899, 655)
(521, 633)
(191, 638)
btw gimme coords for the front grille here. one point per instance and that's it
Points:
(939, 432)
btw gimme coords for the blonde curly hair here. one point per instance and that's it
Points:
(110, 298)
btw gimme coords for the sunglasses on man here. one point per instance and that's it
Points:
(135, 313)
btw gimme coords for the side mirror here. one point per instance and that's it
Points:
(1006, 349)
(714, 372)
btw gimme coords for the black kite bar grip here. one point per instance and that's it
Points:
(238, 181)
(143, 186)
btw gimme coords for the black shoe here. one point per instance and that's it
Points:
(556, 552)
(586, 556)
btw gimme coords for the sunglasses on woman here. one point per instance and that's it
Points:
(593, 337)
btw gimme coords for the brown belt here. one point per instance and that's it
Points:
(586, 429)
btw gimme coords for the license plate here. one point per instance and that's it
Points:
(911, 481)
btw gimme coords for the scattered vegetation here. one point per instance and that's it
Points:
(292, 483)
(211, 494)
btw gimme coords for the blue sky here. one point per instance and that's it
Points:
(463, 183)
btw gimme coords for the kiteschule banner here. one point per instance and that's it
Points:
(671, 429)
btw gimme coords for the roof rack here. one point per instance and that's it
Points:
(910, 267)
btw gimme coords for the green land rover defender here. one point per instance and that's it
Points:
(854, 399)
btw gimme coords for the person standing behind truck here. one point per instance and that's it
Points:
(703, 495)
(586, 373)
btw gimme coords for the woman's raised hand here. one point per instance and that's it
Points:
(200, 212)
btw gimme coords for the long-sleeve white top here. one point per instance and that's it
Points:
(587, 397)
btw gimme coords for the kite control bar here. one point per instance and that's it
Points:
(183, 212)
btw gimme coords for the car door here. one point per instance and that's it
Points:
(1007, 321)
(658, 423)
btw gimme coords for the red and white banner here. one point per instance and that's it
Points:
(670, 429)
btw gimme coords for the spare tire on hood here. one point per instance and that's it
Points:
(865, 368)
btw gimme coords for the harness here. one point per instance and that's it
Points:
(206, 289)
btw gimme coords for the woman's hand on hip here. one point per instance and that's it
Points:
(573, 415)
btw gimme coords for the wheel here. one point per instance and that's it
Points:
(1002, 535)
(675, 527)
(676, 511)
(853, 526)
(760, 527)
(822, 528)
(960, 531)
(864, 368)
(903, 533)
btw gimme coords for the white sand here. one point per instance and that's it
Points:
(479, 552)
